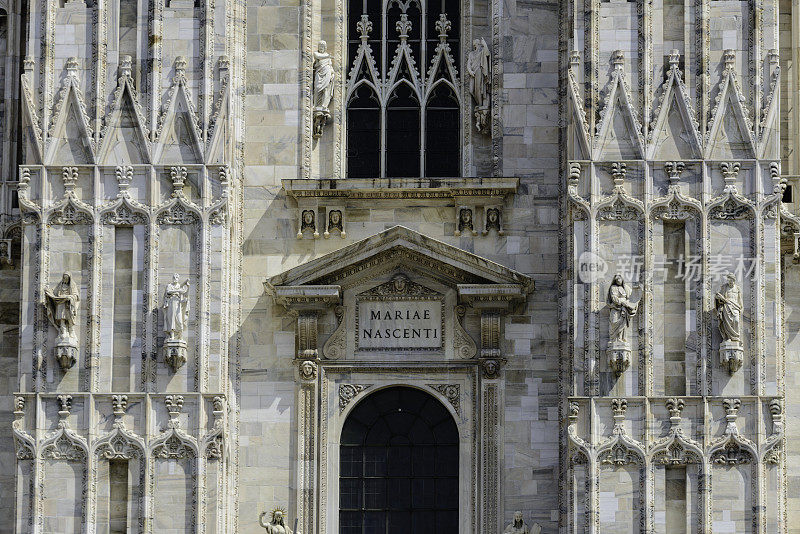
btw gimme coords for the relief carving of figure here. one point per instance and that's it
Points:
(335, 222)
(621, 309)
(176, 308)
(478, 61)
(62, 306)
(276, 524)
(308, 221)
(465, 221)
(493, 221)
(728, 304)
(323, 87)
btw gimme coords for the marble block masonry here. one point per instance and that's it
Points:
(201, 293)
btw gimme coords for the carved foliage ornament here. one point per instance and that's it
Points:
(177, 214)
(452, 392)
(731, 454)
(123, 215)
(348, 392)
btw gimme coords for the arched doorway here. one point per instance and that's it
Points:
(399, 465)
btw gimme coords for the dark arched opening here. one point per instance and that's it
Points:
(399, 465)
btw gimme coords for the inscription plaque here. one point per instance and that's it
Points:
(399, 315)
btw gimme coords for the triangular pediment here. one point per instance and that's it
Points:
(179, 141)
(619, 132)
(125, 139)
(675, 133)
(400, 247)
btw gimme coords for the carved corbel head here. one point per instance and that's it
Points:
(308, 370)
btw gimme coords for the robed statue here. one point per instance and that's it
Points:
(728, 304)
(176, 308)
(478, 61)
(62, 306)
(621, 309)
(323, 87)
(276, 524)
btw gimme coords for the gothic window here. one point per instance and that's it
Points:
(399, 465)
(403, 106)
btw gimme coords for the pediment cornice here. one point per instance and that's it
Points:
(399, 246)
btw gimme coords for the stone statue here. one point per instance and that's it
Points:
(61, 305)
(176, 308)
(518, 526)
(478, 61)
(276, 525)
(621, 309)
(728, 304)
(176, 319)
(323, 87)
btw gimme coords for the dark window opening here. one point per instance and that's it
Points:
(442, 133)
(399, 465)
(407, 124)
(402, 134)
(788, 195)
(363, 134)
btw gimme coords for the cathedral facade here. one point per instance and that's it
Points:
(389, 266)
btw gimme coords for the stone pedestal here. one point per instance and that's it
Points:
(66, 351)
(731, 355)
(619, 356)
(175, 353)
(321, 117)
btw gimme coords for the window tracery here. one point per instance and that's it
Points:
(403, 103)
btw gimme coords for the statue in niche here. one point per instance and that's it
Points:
(176, 319)
(176, 308)
(323, 87)
(335, 223)
(465, 221)
(621, 309)
(307, 222)
(478, 61)
(728, 306)
(518, 526)
(61, 305)
(276, 524)
(493, 221)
